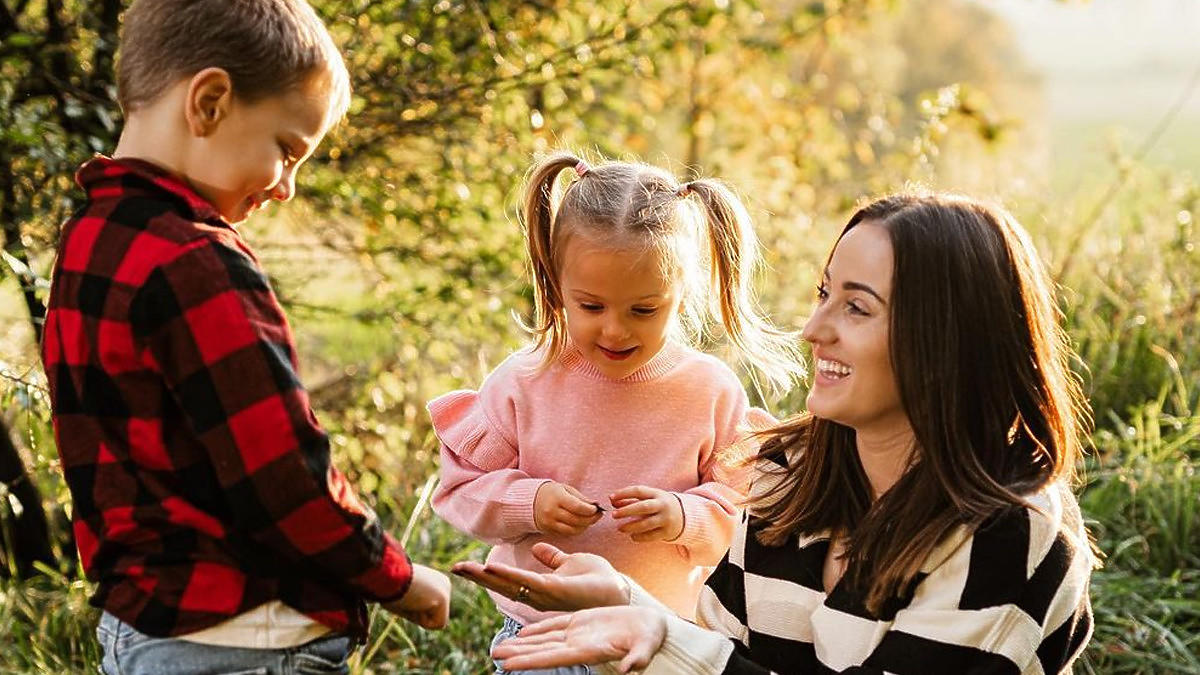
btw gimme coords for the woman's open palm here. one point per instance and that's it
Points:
(577, 580)
(630, 635)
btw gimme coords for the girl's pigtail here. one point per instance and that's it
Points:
(735, 258)
(538, 211)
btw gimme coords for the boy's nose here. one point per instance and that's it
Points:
(285, 188)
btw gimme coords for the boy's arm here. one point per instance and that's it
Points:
(208, 323)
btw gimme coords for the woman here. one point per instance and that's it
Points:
(917, 519)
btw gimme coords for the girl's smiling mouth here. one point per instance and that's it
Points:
(617, 355)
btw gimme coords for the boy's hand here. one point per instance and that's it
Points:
(427, 602)
(560, 509)
(649, 514)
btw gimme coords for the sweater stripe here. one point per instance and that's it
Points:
(1011, 597)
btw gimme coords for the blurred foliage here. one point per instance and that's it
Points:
(401, 264)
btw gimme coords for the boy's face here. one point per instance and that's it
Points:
(252, 154)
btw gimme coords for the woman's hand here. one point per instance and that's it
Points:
(631, 635)
(578, 580)
(561, 509)
(650, 514)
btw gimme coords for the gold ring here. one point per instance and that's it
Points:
(522, 594)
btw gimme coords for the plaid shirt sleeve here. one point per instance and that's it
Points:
(208, 322)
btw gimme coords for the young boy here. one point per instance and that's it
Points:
(205, 505)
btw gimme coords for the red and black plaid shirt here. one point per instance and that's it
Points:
(201, 480)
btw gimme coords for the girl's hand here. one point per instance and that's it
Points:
(629, 634)
(650, 514)
(560, 509)
(578, 580)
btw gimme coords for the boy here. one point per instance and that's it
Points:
(205, 506)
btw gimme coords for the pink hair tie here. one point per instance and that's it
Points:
(581, 168)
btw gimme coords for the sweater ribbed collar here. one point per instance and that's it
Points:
(666, 359)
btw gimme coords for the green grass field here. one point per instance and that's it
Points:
(1130, 296)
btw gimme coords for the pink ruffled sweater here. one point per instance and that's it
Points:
(679, 423)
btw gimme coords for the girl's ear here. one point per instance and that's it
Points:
(209, 99)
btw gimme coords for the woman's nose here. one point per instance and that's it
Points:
(816, 329)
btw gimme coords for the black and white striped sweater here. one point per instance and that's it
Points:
(1011, 597)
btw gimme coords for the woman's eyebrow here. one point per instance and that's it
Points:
(859, 286)
(856, 286)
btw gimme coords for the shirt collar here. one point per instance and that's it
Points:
(105, 177)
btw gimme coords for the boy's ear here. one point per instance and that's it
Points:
(209, 98)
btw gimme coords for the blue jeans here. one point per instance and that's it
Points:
(509, 629)
(130, 652)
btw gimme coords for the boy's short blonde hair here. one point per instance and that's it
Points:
(266, 46)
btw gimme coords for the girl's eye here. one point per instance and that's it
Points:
(590, 307)
(822, 294)
(288, 158)
(645, 311)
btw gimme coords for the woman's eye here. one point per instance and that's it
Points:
(822, 294)
(853, 308)
(288, 158)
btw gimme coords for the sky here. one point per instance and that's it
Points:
(1114, 67)
(1115, 56)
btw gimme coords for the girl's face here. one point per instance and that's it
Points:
(620, 306)
(853, 380)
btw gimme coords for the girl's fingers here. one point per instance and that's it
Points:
(642, 526)
(618, 503)
(635, 492)
(577, 503)
(575, 519)
(639, 509)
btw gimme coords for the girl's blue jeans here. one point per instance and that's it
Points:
(130, 652)
(509, 629)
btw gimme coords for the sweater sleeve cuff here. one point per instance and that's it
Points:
(698, 531)
(517, 509)
(689, 650)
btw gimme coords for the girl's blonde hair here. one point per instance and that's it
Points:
(633, 205)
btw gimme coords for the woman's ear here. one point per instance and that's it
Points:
(209, 98)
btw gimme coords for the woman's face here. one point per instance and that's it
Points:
(853, 380)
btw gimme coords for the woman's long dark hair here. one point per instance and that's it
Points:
(982, 368)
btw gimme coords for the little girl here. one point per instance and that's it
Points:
(612, 435)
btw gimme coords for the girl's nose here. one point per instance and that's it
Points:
(614, 328)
